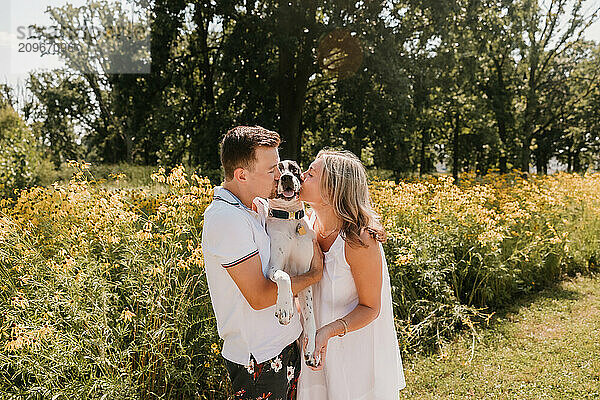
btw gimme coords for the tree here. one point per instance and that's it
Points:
(90, 41)
(547, 50)
(60, 102)
(20, 158)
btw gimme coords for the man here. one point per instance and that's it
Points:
(261, 355)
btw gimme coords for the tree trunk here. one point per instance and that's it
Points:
(127, 137)
(570, 155)
(531, 108)
(576, 160)
(527, 137)
(525, 154)
(539, 163)
(296, 65)
(292, 90)
(502, 164)
(502, 111)
(356, 140)
(423, 167)
(203, 18)
(455, 155)
(289, 126)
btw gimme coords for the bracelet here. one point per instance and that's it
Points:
(345, 327)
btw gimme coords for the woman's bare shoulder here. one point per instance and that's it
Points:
(359, 255)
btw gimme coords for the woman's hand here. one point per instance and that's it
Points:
(321, 340)
(316, 264)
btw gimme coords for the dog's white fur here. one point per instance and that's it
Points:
(291, 254)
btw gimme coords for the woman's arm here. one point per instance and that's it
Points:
(365, 264)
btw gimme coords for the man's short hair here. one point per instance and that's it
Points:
(238, 147)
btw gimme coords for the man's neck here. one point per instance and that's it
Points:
(245, 198)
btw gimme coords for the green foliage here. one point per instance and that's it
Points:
(20, 159)
(61, 102)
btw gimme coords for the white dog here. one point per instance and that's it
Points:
(291, 252)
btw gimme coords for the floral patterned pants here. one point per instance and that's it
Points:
(274, 379)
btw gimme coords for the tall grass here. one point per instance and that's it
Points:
(103, 293)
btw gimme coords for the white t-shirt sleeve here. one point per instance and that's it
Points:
(229, 238)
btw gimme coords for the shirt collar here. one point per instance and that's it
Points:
(220, 193)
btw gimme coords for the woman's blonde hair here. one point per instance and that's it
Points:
(345, 187)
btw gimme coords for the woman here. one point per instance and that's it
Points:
(356, 336)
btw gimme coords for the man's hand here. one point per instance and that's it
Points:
(316, 264)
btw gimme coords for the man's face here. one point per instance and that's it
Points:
(262, 180)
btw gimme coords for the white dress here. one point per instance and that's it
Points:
(364, 364)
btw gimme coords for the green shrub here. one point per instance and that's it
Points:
(20, 159)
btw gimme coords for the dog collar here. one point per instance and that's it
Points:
(286, 214)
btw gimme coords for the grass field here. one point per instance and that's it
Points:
(547, 346)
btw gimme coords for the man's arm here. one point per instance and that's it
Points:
(261, 292)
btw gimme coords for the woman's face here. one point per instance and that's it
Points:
(310, 191)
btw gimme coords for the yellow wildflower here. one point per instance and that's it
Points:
(127, 315)
(19, 300)
(14, 345)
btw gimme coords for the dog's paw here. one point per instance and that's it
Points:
(284, 310)
(311, 360)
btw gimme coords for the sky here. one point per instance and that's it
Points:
(15, 65)
(19, 56)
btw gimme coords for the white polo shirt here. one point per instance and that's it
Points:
(233, 233)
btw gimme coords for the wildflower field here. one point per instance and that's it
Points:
(103, 293)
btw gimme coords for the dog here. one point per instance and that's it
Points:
(291, 252)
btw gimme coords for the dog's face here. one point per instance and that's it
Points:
(290, 181)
